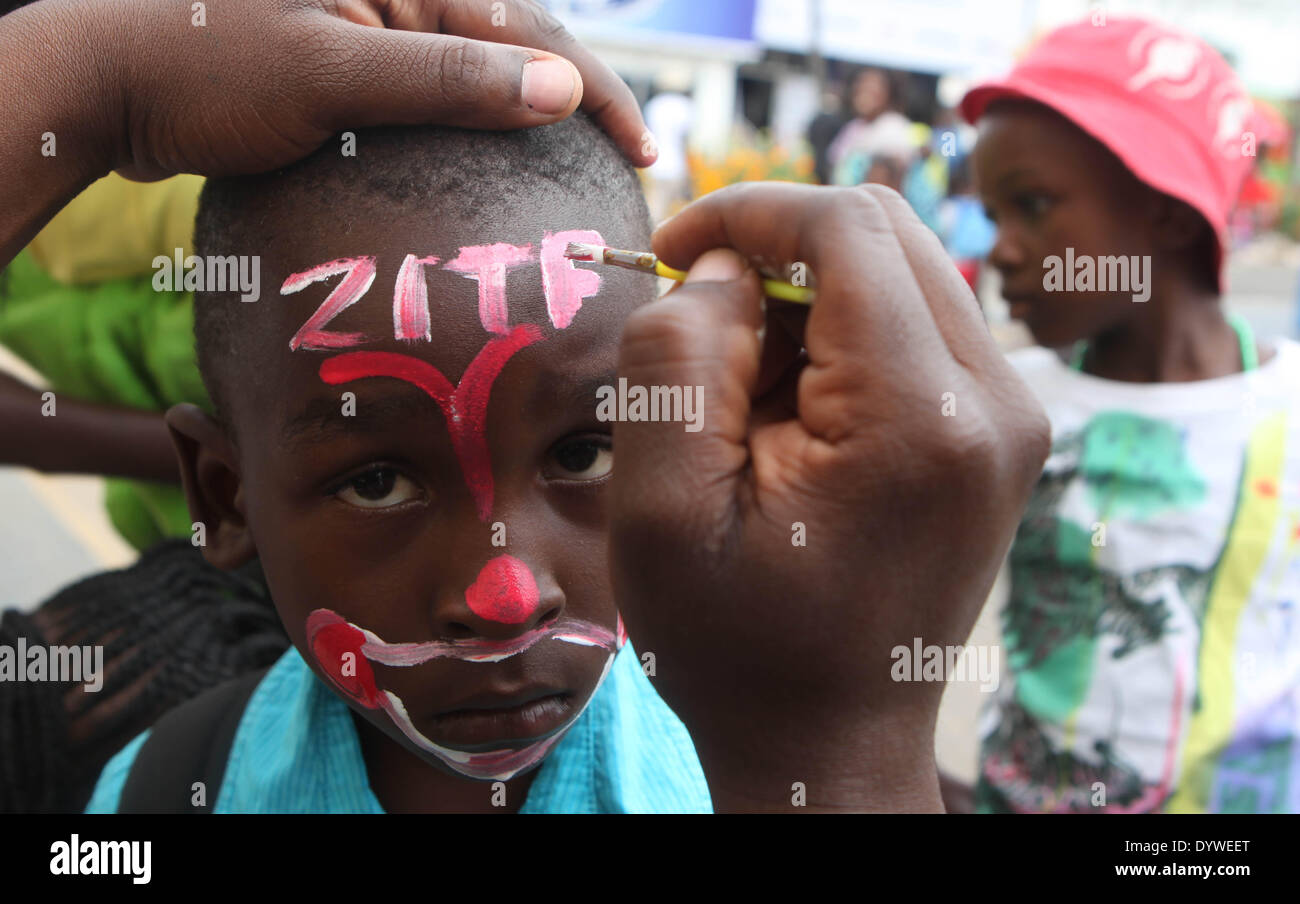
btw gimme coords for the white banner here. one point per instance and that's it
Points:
(940, 36)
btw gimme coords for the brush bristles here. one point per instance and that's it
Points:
(629, 260)
(581, 251)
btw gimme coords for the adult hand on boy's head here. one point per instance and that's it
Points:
(830, 508)
(248, 85)
(154, 87)
(266, 81)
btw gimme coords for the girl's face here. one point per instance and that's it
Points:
(1049, 187)
(870, 94)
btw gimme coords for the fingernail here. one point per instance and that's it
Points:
(649, 146)
(718, 265)
(548, 86)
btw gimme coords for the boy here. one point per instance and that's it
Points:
(1151, 620)
(412, 453)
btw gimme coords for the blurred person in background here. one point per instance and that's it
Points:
(824, 128)
(1260, 202)
(79, 305)
(669, 115)
(882, 146)
(962, 225)
(877, 133)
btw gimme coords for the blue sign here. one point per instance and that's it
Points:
(726, 20)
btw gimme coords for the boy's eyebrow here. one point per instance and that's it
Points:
(323, 418)
(1016, 175)
(565, 390)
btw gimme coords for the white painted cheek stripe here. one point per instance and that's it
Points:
(569, 630)
(579, 640)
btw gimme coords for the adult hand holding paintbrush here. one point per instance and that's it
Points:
(777, 655)
(646, 262)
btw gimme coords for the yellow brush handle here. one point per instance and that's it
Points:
(772, 288)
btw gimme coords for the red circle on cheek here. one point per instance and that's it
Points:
(505, 592)
(337, 647)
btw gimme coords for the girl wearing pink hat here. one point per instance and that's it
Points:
(1152, 629)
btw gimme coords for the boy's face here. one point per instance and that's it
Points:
(456, 507)
(1049, 188)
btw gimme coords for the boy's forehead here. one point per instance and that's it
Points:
(1029, 132)
(390, 232)
(1015, 129)
(481, 277)
(1021, 144)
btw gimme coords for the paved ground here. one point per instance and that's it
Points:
(53, 529)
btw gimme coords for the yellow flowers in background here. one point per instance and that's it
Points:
(762, 161)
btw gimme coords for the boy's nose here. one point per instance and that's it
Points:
(504, 600)
(1006, 254)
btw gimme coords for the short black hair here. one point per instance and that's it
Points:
(458, 171)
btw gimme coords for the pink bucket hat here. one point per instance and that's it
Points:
(1162, 101)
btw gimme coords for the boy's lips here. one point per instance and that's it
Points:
(480, 737)
(495, 762)
(506, 722)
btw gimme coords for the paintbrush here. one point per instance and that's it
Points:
(646, 262)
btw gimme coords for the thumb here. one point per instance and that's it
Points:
(387, 76)
(699, 343)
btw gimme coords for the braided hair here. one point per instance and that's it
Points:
(171, 626)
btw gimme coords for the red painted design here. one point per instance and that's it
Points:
(504, 591)
(464, 406)
(330, 639)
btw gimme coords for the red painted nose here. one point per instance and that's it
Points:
(504, 591)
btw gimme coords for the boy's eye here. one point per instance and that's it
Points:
(1033, 204)
(585, 458)
(380, 487)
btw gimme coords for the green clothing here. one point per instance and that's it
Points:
(117, 342)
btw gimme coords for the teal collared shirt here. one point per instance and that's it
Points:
(297, 751)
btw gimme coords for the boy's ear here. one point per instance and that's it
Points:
(213, 489)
